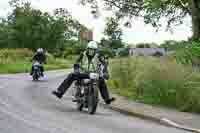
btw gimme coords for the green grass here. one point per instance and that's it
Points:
(158, 81)
(25, 67)
(14, 68)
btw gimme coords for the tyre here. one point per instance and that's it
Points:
(35, 76)
(79, 103)
(93, 100)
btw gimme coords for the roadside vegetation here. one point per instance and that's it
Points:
(19, 60)
(171, 81)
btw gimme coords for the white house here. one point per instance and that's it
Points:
(146, 51)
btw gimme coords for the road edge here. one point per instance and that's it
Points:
(162, 121)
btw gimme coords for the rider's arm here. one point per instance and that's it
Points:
(101, 58)
(77, 64)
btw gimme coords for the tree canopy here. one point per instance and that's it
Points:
(113, 32)
(152, 11)
(26, 27)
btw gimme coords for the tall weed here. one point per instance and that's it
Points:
(14, 55)
(157, 81)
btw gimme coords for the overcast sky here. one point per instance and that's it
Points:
(138, 33)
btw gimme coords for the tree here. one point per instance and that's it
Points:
(26, 27)
(143, 45)
(4, 33)
(32, 29)
(114, 34)
(71, 26)
(153, 10)
(113, 30)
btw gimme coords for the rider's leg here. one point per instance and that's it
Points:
(42, 70)
(67, 83)
(104, 92)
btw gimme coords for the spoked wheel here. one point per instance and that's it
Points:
(79, 102)
(93, 100)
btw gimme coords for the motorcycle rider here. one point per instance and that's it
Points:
(40, 57)
(88, 61)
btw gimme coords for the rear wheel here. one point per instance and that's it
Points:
(93, 100)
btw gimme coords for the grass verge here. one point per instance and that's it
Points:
(158, 81)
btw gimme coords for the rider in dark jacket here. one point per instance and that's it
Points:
(89, 62)
(40, 57)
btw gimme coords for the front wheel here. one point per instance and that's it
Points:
(79, 102)
(93, 100)
(35, 76)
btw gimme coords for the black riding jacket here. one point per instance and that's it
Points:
(40, 57)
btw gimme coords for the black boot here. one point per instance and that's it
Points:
(57, 94)
(109, 101)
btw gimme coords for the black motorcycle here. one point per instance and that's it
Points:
(86, 93)
(36, 71)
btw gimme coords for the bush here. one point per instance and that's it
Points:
(156, 81)
(190, 54)
(157, 54)
(124, 52)
(13, 55)
(69, 51)
(143, 45)
(107, 52)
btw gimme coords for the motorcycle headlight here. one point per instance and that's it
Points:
(86, 81)
(94, 76)
(35, 67)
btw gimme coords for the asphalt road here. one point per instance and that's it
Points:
(29, 107)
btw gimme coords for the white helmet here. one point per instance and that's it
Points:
(40, 50)
(92, 45)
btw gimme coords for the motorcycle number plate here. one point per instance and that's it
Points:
(35, 67)
(82, 91)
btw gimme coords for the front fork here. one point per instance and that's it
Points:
(82, 94)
